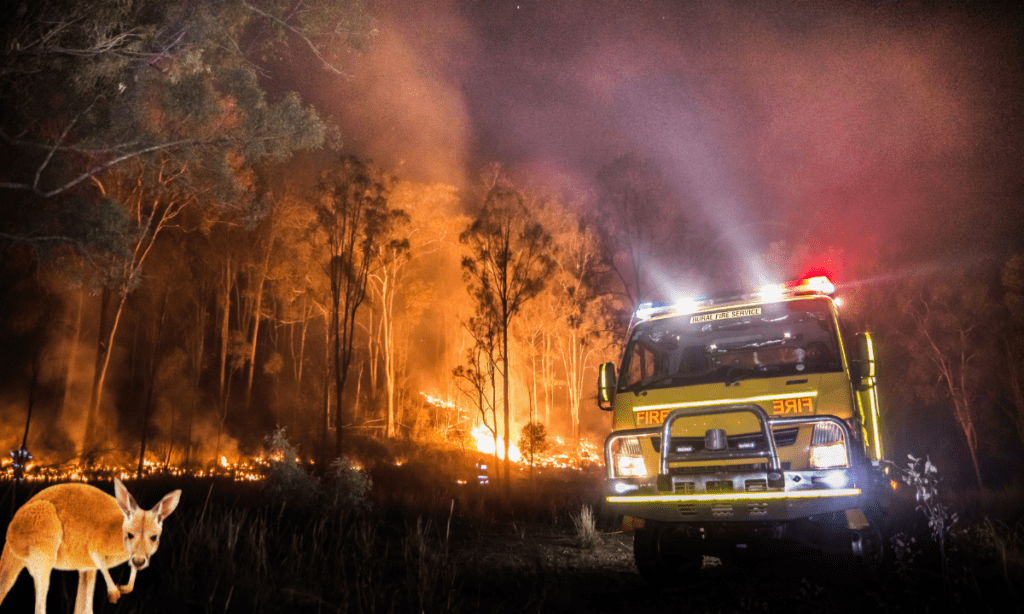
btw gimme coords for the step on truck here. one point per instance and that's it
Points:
(744, 424)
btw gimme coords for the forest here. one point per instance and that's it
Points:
(194, 256)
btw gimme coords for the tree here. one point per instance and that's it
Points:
(298, 286)
(353, 213)
(150, 200)
(533, 440)
(949, 344)
(631, 217)
(1013, 339)
(410, 238)
(158, 98)
(583, 305)
(87, 87)
(508, 264)
(474, 379)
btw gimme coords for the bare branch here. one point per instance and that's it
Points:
(298, 32)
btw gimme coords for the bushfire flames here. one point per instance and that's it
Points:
(484, 440)
(559, 454)
(245, 470)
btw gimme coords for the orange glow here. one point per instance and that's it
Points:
(485, 443)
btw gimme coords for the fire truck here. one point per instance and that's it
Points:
(741, 424)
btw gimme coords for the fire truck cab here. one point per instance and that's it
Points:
(742, 423)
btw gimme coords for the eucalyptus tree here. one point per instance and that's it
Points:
(168, 94)
(87, 87)
(1012, 277)
(631, 218)
(477, 379)
(951, 350)
(508, 263)
(354, 215)
(421, 229)
(583, 302)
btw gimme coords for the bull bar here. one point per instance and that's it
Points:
(785, 495)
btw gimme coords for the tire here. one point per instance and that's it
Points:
(658, 559)
(868, 547)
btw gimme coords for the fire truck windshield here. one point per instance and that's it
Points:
(796, 337)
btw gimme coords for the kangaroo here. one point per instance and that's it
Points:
(80, 528)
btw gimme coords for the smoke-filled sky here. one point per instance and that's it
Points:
(853, 127)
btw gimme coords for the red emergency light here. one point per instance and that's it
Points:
(819, 283)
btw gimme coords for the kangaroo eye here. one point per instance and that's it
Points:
(152, 538)
(131, 536)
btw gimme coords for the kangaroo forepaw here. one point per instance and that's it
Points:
(124, 589)
(114, 595)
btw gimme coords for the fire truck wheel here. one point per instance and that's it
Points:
(867, 546)
(658, 560)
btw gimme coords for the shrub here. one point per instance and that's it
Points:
(347, 485)
(288, 481)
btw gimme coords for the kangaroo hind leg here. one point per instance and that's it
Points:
(34, 536)
(10, 567)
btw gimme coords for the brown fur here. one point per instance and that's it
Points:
(80, 528)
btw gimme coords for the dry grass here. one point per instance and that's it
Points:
(586, 528)
(424, 543)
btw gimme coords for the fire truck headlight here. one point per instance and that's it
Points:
(829, 456)
(627, 459)
(630, 467)
(828, 446)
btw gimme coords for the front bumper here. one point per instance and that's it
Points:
(771, 494)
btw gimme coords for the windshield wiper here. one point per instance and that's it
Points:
(655, 382)
(745, 372)
(741, 373)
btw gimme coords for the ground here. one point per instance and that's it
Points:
(421, 541)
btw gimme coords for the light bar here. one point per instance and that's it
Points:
(649, 309)
(770, 293)
(820, 284)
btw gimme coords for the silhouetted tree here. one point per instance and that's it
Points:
(508, 264)
(477, 380)
(533, 440)
(1013, 337)
(353, 212)
(949, 344)
(632, 218)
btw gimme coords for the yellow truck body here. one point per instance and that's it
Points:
(770, 412)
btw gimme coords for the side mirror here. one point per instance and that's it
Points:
(865, 356)
(606, 386)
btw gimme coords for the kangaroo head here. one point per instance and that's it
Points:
(141, 528)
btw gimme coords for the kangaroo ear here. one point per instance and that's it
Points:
(124, 499)
(166, 505)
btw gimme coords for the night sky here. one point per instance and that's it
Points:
(852, 128)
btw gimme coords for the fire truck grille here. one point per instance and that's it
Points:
(703, 469)
(686, 488)
(756, 485)
(718, 486)
(748, 441)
